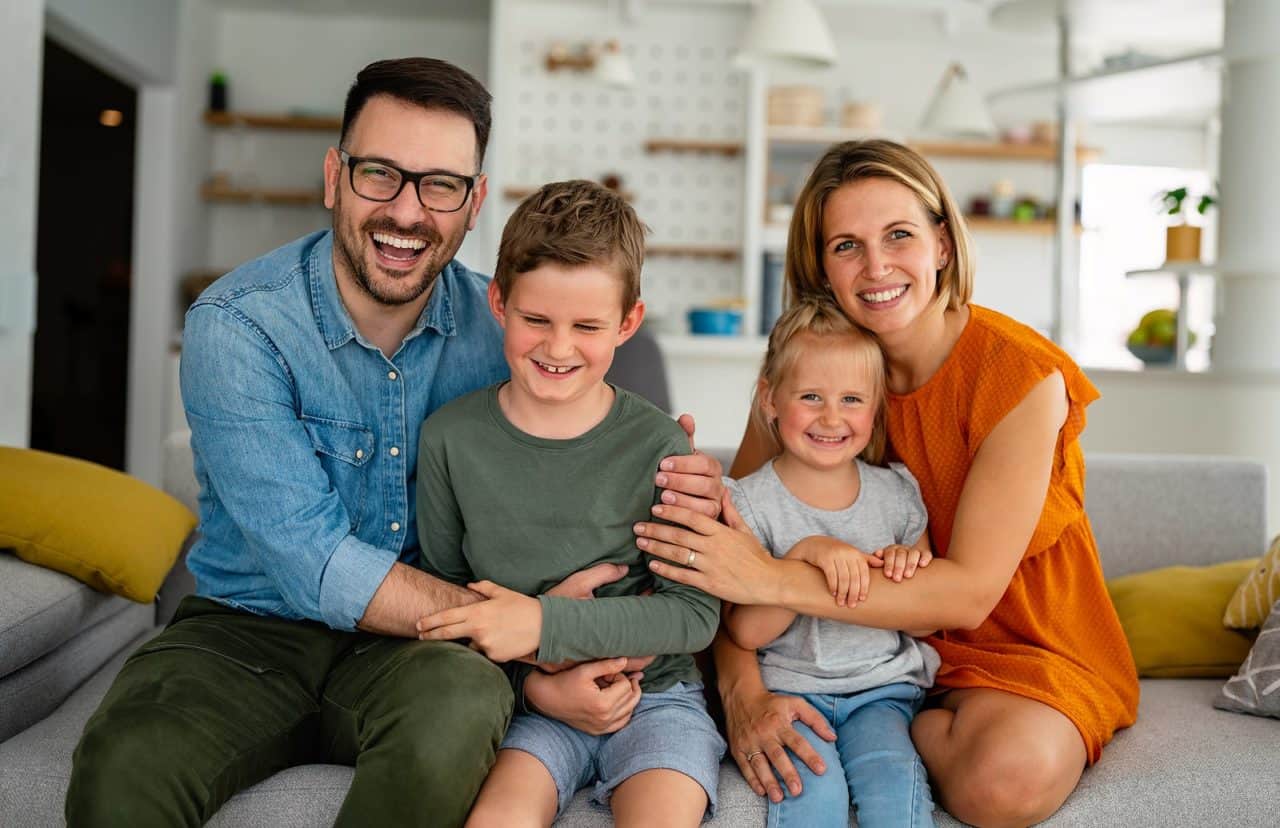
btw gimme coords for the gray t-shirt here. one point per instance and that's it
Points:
(817, 655)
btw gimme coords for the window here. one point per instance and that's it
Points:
(1120, 207)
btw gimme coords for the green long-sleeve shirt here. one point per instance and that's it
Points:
(525, 512)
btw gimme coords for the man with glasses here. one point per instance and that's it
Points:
(306, 374)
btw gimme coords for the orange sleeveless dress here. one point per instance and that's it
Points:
(1054, 635)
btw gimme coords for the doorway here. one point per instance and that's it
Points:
(84, 241)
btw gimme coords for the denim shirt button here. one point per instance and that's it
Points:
(391, 375)
(359, 454)
(395, 452)
(395, 527)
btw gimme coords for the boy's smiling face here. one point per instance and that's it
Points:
(561, 326)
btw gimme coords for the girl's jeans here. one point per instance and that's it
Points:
(872, 764)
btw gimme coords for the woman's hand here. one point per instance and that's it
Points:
(505, 627)
(759, 726)
(725, 561)
(596, 697)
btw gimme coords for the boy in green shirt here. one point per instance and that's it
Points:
(528, 481)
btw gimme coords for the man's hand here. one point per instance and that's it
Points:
(505, 627)
(596, 697)
(691, 480)
(584, 583)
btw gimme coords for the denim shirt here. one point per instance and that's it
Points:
(305, 435)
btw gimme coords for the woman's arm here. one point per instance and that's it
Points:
(999, 508)
(752, 627)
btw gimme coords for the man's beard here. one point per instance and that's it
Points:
(400, 289)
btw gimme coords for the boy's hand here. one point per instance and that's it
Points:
(596, 697)
(691, 480)
(901, 561)
(505, 627)
(847, 569)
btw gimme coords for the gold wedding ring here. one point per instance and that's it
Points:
(692, 555)
(754, 754)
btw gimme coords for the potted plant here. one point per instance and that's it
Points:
(1182, 240)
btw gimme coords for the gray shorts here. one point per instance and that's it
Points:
(669, 730)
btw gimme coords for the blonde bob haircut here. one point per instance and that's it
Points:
(853, 161)
(817, 322)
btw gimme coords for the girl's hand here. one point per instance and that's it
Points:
(725, 561)
(848, 569)
(596, 697)
(901, 561)
(505, 627)
(760, 727)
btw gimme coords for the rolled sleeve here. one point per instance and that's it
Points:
(353, 574)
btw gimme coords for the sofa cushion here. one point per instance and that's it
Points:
(1256, 688)
(33, 692)
(1172, 618)
(40, 609)
(1252, 600)
(103, 527)
(1183, 763)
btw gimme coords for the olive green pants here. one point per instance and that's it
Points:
(223, 699)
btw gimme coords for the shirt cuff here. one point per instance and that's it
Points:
(354, 573)
(549, 644)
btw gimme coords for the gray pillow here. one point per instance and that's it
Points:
(1255, 688)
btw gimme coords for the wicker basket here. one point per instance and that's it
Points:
(797, 106)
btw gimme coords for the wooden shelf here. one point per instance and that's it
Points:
(1034, 227)
(998, 150)
(726, 148)
(725, 253)
(302, 123)
(984, 150)
(229, 195)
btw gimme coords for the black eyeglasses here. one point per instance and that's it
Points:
(438, 191)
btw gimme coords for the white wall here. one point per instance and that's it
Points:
(129, 38)
(321, 55)
(1165, 412)
(21, 34)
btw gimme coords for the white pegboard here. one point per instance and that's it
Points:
(556, 125)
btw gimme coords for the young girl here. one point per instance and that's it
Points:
(821, 394)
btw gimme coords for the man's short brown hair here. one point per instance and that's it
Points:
(573, 223)
(427, 82)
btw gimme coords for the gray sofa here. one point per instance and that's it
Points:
(1183, 763)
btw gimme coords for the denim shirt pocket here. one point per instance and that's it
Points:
(344, 449)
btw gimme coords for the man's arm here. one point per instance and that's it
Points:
(407, 594)
(257, 455)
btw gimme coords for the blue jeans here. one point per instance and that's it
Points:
(872, 763)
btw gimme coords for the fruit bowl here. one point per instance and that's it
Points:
(1153, 354)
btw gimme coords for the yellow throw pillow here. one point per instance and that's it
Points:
(101, 526)
(1252, 602)
(1173, 619)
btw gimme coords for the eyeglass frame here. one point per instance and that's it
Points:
(405, 177)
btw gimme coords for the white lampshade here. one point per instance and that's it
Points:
(957, 109)
(786, 34)
(613, 68)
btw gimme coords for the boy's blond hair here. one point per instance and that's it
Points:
(573, 223)
(816, 319)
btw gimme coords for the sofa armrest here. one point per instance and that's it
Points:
(1150, 511)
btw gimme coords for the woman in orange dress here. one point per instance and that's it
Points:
(987, 414)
